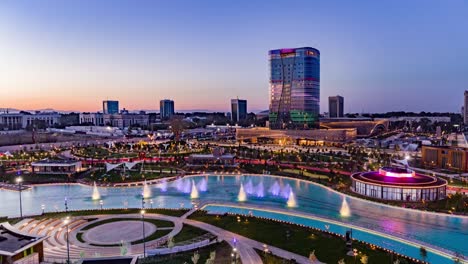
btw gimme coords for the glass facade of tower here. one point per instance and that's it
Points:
(166, 108)
(238, 110)
(294, 88)
(110, 107)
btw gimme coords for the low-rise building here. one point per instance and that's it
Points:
(124, 120)
(96, 119)
(19, 247)
(48, 166)
(445, 157)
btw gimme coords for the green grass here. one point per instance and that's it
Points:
(188, 232)
(222, 249)
(156, 222)
(305, 173)
(79, 237)
(163, 211)
(155, 235)
(272, 259)
(328, 248)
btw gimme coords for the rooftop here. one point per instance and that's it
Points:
(55, 161)
(13, 241)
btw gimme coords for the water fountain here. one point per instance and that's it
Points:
(187, 186)
(249, 187)
(179, 185)
(194, 192)
(146, 190)
(163, 186)
(242, 197)
(274, 189)
(291, 199)
(202, 185)
(285, 192)
(345, 211)
(96, 194)
(259, 190)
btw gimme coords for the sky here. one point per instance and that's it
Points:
(389, 55)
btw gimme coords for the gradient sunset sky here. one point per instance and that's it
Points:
(381, 56)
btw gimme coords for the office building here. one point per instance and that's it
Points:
(166, 109)
(110, 107)
(238, 110)
(294, 88)
(465, 109)
(96, 119)
(335, 106)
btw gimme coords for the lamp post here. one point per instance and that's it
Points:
(151, 203)
(42, 208)
(101, 203)
(144, 237)
(66, 222)
(19, 180)
(66, 205)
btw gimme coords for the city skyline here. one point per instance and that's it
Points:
(73, 56)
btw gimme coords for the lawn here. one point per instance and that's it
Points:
(158, 223)
(170, 212)
(301, 240)
(188, 232)
(223, 255)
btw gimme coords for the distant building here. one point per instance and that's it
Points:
(126, 120)
(238, 110)
(166, 108)
(14, 121)
(294, 88)
(444, 157)
(465, 109)
(96, 119)
(110, 107)
(335, 106)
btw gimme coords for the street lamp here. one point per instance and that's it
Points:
(66, 205)
(144, 237)
(19, 180)
(101, 203)
(66, 222)
(151, 203)
(43, 208)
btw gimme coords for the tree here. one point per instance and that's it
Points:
(212, 258)
(364, 259)
(423, 253)
(195, 257)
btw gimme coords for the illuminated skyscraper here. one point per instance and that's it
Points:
(294, 88)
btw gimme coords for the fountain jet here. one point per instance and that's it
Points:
(259, 190)
(194, 192)
(291, 199)
(146, 190)
(96, 194)
(242, 197)
(274, 189)
(345, 211)
(163, 186)
(249, 187)
(202, 185)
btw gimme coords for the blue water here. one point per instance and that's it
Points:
(443, 231)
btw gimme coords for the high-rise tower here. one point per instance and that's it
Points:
(294, 88)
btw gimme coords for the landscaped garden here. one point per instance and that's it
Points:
(301, 240)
